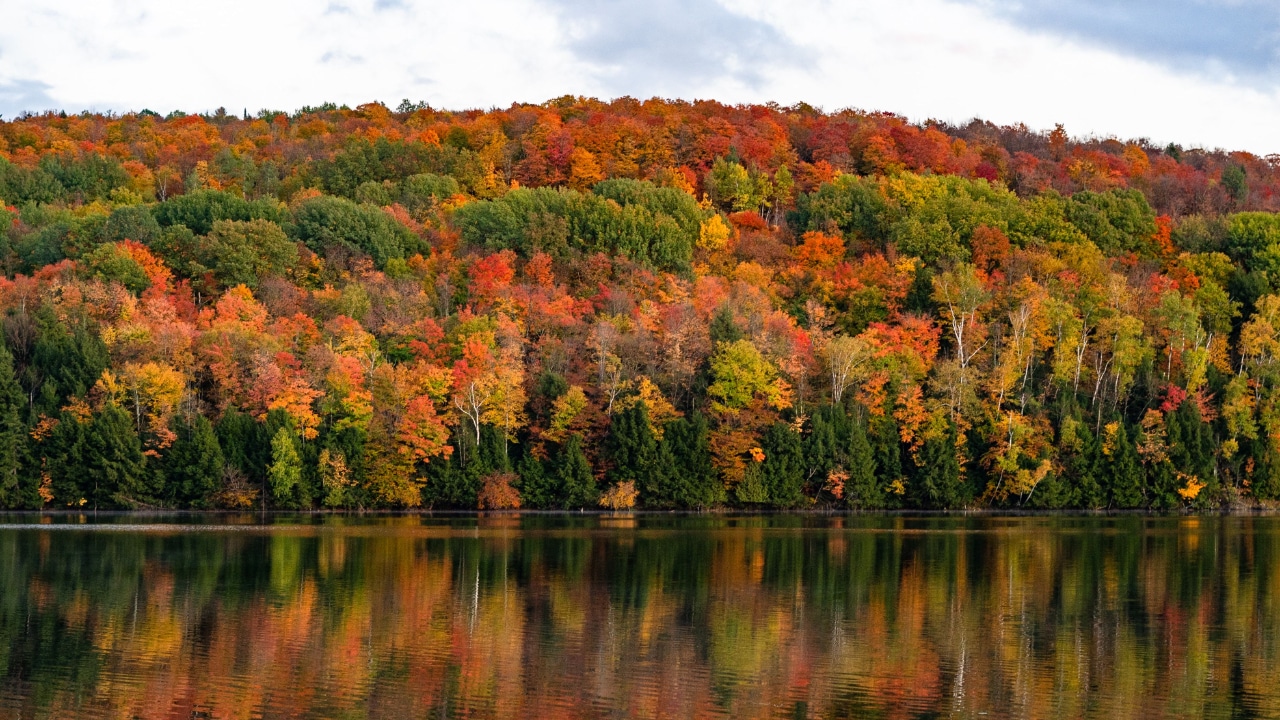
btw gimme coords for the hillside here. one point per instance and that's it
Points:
(657, 304)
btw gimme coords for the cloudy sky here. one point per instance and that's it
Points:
(1197, 72)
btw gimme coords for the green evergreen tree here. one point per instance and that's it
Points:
(1122, 475)
(633, 450)
(1191, 449)
(285, 473)
(751, 490)
(245, 444)
(108, 456)
(194, 464)
(13, 434)
(724, 329)
(783, 466)
(826, 447)
(861, 489)
(937, 477)
(537, 488)
(886, 451)
(692, 481)
(577, 485)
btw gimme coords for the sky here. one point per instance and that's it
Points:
(1202, 73)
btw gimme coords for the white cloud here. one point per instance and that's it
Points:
(934, 59)
(922, 58)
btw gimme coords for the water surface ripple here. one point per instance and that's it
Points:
(652, 616)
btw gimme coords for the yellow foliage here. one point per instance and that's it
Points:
(714, 234)
(1192, 489)
(621, 496)
(660, 410)
(564, 410)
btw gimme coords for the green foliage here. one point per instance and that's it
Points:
(573, 471)
(86, 177)
(13, 434)
(422, 192)
(131, 222)
(61, 362)
(692, 481)
(285, 473)
(782, 469)
(95, 462)
(326, 222)
(193, 466)
(1249, 237)
(19, 185)
(634, 452)
(1117, 221)
(650, 225)
(936, 482)
(245, 443)
(862, 489)
(850, 204)
(1121, 476)
(740, 374)
(244, 252)
(934, 217)
(375, 161)
(110, 263)
(200, 209)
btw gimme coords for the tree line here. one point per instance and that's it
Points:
(660, 304)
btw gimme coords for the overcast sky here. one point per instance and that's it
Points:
(1197, 72)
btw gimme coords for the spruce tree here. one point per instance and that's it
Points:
(937, 477)
(1123, 475)
(1191, 448)
(823, 447)
(632, 449)
(577, 485)
(783, 466)
(194, 464)
(861, 489)
(692, 482)
(113, 461)
(13, 434)
(245, 444)
(537, 489)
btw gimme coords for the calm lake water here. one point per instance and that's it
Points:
(644, 617)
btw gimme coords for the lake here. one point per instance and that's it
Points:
(649, 616)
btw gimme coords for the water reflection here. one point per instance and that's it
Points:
(567, 617)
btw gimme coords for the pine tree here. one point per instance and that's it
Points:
(112, 458)
(1123, 477)
(937, 477)
(692, 482)
(13, 434)
(861, 488)
(537, 489)
(193, 466)
(577, 485)
(285, 472)
(783, 466)
(632, 449)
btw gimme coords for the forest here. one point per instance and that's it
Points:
(657, 304)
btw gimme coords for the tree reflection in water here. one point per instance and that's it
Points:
(653, 616)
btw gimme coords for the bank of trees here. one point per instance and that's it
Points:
(661, 305)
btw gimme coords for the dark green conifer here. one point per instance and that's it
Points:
(13, 434)
(194, 464)
(783, 466)
(577, 485)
